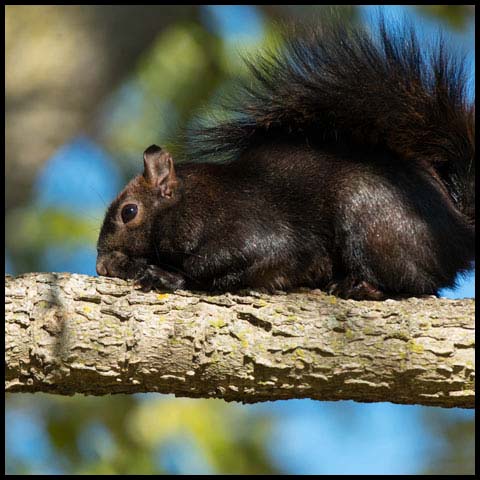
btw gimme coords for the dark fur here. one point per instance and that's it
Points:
(350, 166)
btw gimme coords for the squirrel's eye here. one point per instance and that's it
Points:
(129, 212)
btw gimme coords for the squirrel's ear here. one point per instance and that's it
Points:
(158, 170)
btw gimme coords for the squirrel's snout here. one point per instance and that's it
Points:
(101, 268)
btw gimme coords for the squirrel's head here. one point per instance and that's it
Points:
(128, 223)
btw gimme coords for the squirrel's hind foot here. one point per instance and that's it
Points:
(350, 288)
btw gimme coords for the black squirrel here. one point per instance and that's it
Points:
(348, 165)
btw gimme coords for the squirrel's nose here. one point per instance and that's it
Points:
(101, 268)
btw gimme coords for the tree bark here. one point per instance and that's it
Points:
(70, 334)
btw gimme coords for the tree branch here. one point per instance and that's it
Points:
(70, 334)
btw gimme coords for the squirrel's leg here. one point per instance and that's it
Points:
(214, 271)
(397, 233)
(151, 277)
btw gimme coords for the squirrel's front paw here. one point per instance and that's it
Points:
(153, 277)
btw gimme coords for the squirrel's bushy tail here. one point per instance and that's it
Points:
(341, 84)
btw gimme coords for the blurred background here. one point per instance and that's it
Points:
(88, 88)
